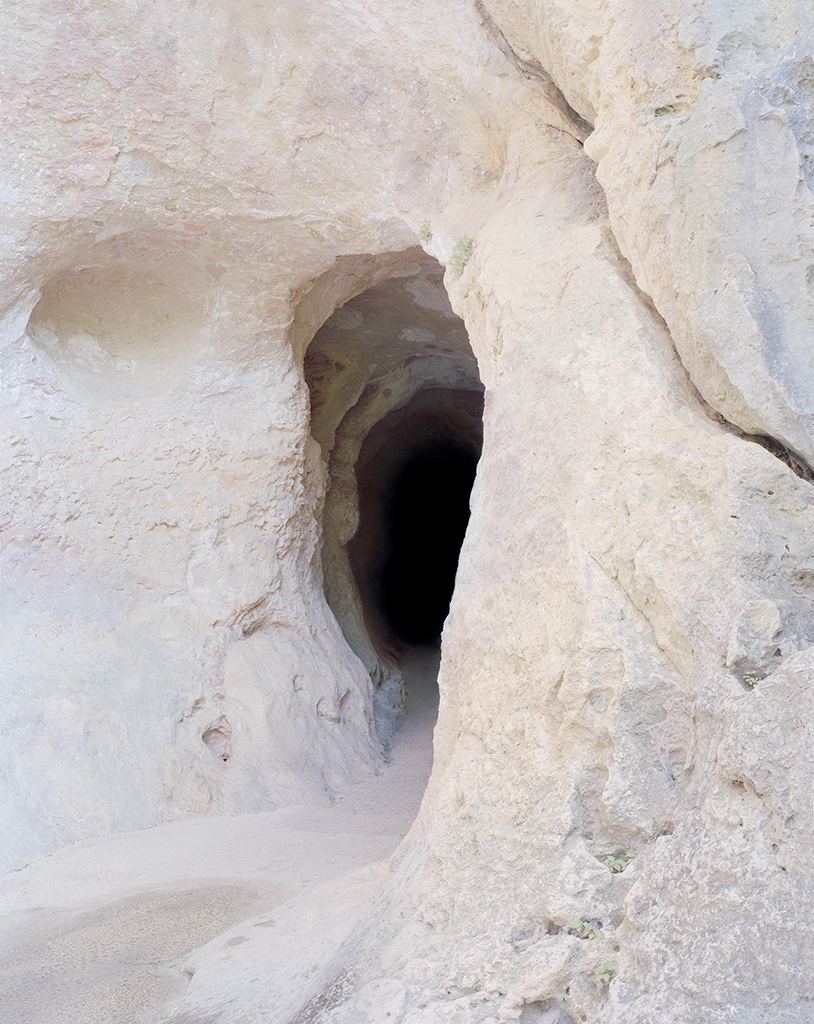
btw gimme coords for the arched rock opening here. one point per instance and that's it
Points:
(396, 405)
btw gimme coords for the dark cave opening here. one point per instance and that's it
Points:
(397, 409)
(425, 518)
(415, 474)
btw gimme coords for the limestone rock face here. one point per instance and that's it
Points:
(223, 224)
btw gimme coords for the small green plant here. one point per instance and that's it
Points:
(616, 863)
(606, 972)
(461, 254)
(424, 232)
(585, 929)
(752, 679)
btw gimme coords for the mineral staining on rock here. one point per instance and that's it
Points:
(190, 193)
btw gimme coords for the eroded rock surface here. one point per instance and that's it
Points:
(622, 200)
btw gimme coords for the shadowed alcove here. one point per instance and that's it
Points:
(397, 407)
(415, 473)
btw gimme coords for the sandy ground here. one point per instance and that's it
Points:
(99, 931)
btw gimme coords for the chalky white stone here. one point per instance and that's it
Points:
(189, 192)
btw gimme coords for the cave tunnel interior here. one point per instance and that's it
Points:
(397, 409)
(415, 473)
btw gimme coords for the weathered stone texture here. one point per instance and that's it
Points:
(189, 192)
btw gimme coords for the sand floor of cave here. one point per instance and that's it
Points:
(98, 932)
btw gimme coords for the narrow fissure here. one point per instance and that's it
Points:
(531, 69)
(795, 462)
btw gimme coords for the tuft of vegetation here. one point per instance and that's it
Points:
(461, 254)
(617, 862)
(606, 972)
(585, 929)
(752, 679)
(424, 232)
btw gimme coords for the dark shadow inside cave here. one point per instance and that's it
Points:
(425, 517)
(397, 408)
(415, 473)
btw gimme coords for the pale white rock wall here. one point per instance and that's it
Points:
(189, 192)
(181, 211)
(149, 534)
(703, 145)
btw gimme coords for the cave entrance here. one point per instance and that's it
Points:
(414, 474)
(397, 408)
